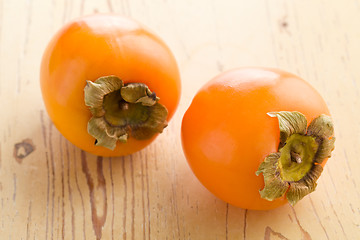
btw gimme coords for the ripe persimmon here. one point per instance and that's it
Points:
(109, 85)
(247, 137)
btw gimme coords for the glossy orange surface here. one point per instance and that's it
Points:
(226, 132)
(96, 46)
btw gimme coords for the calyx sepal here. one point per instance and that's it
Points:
(122, 110)
(295, 168)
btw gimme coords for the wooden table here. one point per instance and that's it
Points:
(50, 189)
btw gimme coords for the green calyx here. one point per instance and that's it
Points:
(296, 157)
(122, 111)
(295, 168)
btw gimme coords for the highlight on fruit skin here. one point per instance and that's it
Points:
(99, 48)
(257, 138)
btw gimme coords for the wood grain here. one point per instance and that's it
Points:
(50, 189)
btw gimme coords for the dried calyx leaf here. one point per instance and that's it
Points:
(289, 123)
(275, 186)
(122, 111)
(294, 170)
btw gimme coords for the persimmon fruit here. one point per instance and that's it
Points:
(257, 138)
(109, 84)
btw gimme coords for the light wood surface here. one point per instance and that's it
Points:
(49, 189)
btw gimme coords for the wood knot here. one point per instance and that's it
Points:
(23, 149)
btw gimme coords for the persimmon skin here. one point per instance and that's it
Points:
(226, 132)
(101, 45)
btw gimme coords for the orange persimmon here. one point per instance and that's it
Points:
(91, 66)
(233, 124)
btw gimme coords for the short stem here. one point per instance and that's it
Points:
(295, 157)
